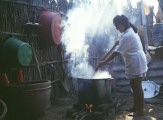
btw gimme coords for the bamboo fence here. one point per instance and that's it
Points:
(13, 17)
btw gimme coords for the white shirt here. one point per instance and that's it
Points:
(130, 47)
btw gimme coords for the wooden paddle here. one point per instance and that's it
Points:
(116, 43)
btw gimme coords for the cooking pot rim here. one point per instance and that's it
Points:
(94, 79)
(29, 83)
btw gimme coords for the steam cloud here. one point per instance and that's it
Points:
(86, 21)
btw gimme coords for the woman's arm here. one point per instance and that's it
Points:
(111, 57)
(107, 59)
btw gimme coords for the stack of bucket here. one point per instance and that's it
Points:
(26, 100)
(14, 54)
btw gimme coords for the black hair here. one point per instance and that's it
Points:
(123, 20)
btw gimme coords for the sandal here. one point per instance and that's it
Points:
(135, 114)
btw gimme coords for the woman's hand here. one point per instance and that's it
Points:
(117, 42)
(100, 64)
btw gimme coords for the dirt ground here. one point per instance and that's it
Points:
(153, 107)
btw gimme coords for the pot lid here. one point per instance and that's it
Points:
(50, 29)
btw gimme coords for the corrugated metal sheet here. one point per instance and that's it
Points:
(154, 73)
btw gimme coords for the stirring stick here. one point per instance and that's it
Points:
(116, 43)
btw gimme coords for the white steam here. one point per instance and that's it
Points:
(85, 21)
(101, 74)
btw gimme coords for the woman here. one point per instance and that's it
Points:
(131, 49)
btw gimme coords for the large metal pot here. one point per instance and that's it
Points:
(94, 91)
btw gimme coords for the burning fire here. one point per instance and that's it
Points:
(89, 107)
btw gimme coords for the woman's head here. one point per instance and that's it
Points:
(122, 23)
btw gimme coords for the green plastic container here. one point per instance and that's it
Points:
(15, 53)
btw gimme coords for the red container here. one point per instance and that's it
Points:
(50, 30)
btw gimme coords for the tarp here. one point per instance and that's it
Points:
(161, 4)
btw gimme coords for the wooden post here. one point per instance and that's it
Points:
(144, 26)
(37, 63)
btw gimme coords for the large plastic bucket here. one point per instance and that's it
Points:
(15, 52)
(26, 100)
